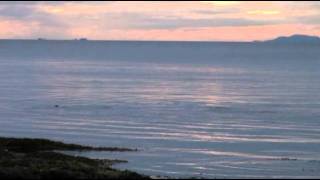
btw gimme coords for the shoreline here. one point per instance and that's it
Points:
(27, 158)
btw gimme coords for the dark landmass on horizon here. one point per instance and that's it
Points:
(296, 38)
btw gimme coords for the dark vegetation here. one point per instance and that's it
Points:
(33, 145)
(37, 159)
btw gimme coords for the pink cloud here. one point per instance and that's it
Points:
(247, 33)
(241, 21)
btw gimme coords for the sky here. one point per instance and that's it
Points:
(174, 20)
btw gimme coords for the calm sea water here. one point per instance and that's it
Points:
(215, 118)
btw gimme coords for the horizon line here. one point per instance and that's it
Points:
(127, 40)
(133, 40)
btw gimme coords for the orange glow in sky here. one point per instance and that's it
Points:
(198, 20)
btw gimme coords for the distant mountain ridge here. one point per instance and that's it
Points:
(297, 38)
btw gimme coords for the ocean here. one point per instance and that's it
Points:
(192, 109)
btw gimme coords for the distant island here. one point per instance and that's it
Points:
(297, 38)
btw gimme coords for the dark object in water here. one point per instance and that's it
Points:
(288, 159)
(56, 106)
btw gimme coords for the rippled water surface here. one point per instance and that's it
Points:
(188, 120)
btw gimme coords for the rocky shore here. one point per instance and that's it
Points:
(40, 159)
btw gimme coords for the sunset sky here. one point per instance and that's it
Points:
(198, 20)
